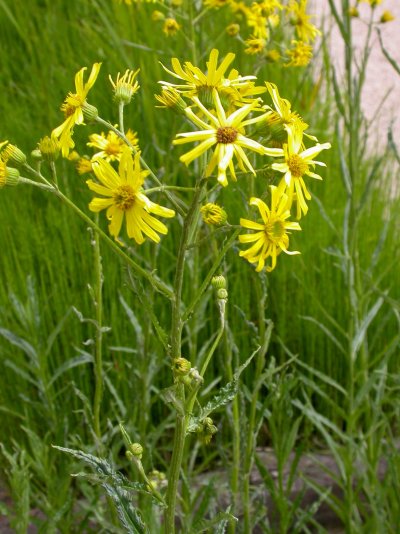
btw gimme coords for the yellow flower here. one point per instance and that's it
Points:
(125, 197)
(258, 22)
(372, 3)
(73, 109)
(305, 30)
(386, 16)
(255, 45)
(297, 164)
(125, 86)
(199, 84)
(84, 166)
(276, 119)
(157, 15)
(273, 56)
(213, 214)
(232, 29)
(225, 133)
(300, 55)
(49, 148)
(272, 233)
(111, 146)
(216, 3)
(171, 27)
(353, 12)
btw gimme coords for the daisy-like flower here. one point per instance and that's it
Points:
(171, 27)
(124, 197)
(296, 165)
(271, 235)
(225, 133)
(255, 45)
(197, 83)
(306, 31)
(111, 145)
(213, 214)
(299, 55)
(73, 109)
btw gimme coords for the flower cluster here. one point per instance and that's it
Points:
(233, 129)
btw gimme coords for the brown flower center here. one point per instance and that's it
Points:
(71, 103)
(297, 166)
(124, 197)
(226, 135)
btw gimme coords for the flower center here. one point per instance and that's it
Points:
(226, 135)
(113, 148)
(124, 197)
(297, 166)
(71, 103)
(275, 231)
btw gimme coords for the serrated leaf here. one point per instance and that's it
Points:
(113, 483)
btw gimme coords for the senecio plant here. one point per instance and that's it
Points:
(232, 127)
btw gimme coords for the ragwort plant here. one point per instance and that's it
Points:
(239, 128)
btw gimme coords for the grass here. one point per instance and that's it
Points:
(47, 268)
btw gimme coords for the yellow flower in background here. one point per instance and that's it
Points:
(111, 145)
(73, 109)
(372, 3)
(124, 197)
(125, 86)
(299, 55)
(296, 165)
(271, 235)
(306, 31)
(216, 3)
(255, 45)
(225, 133)
(171, 27)
(84, 166)
(386, 16)
(258, 23)
(233, 29)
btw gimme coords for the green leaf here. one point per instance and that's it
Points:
(221, 519)
(21, 343)
(82, 359)
(362, 329)
(114, 483)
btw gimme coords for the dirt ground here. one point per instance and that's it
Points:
(380, 77)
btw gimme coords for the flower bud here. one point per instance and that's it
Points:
(125, 86)
(181, 366)
(8, 175)
(13, 154)
(213, 214)
(36, 155)
(386, 16)
(136, 450)
(157, 15)
(222, 294)
(218, 282)
(233, 29)
(49, 148)
(90, 113)
(170, 98)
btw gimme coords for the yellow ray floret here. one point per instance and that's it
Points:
(271, 235)
(73, 109)
(122, 195)
(226, 134)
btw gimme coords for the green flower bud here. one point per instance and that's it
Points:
(136, 449)
(90, 113)
(218, 282)
(181, 366)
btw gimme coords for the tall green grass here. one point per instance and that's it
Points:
(46, 389)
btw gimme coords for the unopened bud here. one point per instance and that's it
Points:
(222, 294)
(49, 148)
(136, 449)
(233, 29)
(36, 155)
(170, 98)
(13, 154)
(8, 175)
(157, 15)
(218, 282)
(181, 366)
(213, 214)
(90, 113)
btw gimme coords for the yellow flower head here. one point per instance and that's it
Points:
(49, 147)
(225, 133)
(73, 107)
(216, 3)
(197, 83)
(213, 214)
(353, 12)
(171, 98)
(171, 27)
(305, 30)
(258, 23)
(111, 145)
(233, 29)
(84, 166)
(277, 119)
(271, 235)
(125, 86)
(8, 175)
(300, 55)
(296, 165)
(124, 197)
(372, 3)
(12, 154)
(386, 16)
(255, 45)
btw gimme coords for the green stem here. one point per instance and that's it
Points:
(176, 341)
(98, 363)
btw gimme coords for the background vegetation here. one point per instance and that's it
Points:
(46, 268)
